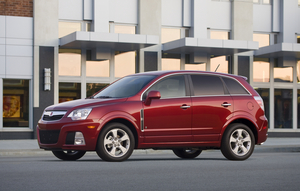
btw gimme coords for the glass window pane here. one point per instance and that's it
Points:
(65, 28)
(92, 88)
(255, 1)
(283, 74)
(69, 62)
(262, 39)
(266, 1)
(298, 71)
(124, 29)
(283, 108)
(124, 63)
(15, 103)
(170, 87)
(223, 35)
(298, 104)
(169, 34)
(298, 39)
(97, 68)
(69, 91)
(214, 62)
(234, 87)
(201, 66)
(207, 85)
(170, 64)
(261, 71)
(265, 95)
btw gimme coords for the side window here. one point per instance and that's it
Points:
(207, 85)
(234, 87)
(170, 87)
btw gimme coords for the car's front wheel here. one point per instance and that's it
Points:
(69, 155)
(115, 143)
(238, 142)
(187, 153)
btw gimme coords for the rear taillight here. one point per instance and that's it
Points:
(260, 102)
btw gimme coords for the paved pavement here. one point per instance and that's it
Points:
(30, 147)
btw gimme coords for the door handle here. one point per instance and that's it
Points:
(225, 104)
(185, 106)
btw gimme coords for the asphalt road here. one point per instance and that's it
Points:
(210, 171)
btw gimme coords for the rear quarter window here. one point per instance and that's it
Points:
(207, 85)
(234, 87)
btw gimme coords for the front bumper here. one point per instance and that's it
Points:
(58, 135)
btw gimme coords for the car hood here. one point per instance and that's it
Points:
(81, 103)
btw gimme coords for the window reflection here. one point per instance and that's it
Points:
(15, 103)
(124, 63)
(265, 95)
(69, 62)
(92, 88)
(298, 39)
(298, 105)
(169, 34)
(266, 1)
(261, 70)
(69, 91)
(201, 66)
(125, 29)
(283, 108)
(222, 35)
(97, 68)
(283, 74)
(298, 71)
(262, 39)
(214, 63)
(65, 28)
(170, 61)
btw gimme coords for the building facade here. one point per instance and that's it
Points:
(61, 50)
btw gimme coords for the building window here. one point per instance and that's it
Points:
(298, 105)
(69, 91)
(201, 66)
(125, 29)
(15, 103)
(92, 88)
(69, 62)
(220, 63)
(298, 71)
(262, 1)
(265, 95)
(261, 70)
(282, 74)
(170, 34)
(222, 35)
(97, 68)
(298, 39)
(125, 63)
(283, 108)
(65, 28)
(262, 39)
(170, 61)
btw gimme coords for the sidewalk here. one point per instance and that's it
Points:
(30, 147)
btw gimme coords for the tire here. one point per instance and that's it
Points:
(238, 142)
(115, 143)
(69, 155)
(187, 153)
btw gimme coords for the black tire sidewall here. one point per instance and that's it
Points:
(69, 157)
(225, 145)
(185, 155)
(100, 145)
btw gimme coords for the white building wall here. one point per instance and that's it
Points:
(121, 11)
(219, 15)
(171, 11)
(70, 9)
(262, 18)
(16, 47)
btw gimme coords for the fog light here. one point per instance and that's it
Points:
(79, 139)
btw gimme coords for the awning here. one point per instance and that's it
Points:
(190, 45)
(113, 41)
(279, 50)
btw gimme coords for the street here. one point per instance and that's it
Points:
(210, 171)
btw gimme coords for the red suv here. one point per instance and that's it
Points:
(186, 111)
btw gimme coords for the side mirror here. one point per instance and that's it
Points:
(152, 95)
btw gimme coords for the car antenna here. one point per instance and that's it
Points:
(217, 67)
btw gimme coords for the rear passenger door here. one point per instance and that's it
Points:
(212, 106)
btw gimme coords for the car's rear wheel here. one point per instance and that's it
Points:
(115, 143)
(69, 155)
(238, 142)
(187, 153)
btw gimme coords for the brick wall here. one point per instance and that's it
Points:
(23, 8)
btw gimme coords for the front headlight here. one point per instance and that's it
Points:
(80, 114)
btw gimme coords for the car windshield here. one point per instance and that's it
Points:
(125, 87)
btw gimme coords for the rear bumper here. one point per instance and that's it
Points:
(262, 134)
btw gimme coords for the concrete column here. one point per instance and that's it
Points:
(289, 12)
(150, 24)
(242, 20)
(199, 19)
(101, 16)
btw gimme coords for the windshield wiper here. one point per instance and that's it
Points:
(103, 97)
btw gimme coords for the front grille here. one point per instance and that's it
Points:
(49, 136)
(53, 115)
(52, 118)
